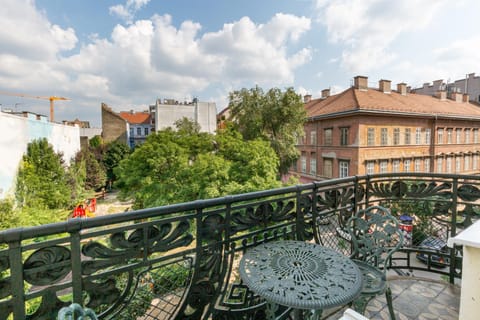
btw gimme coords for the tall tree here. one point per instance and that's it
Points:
(95, 173)
(178, 166)
(41, 179)
(114, 153)
(276, 116)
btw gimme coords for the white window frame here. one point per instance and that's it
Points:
(303, 163)
(458, 134)
(418, 136)
(396, 166)
(467, 135)
(428, 136)
(343, 168)
(407, 165)
(440, 136)
(426, 164)
(418, 165)
(458, 164)
(383, 166)
(313, 164)
(370, 167)
(449, 165)
(439, 165)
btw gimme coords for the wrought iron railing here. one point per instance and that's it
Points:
(180, 261)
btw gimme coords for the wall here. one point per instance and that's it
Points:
(114, 127)
(15, 134)
(204, 113)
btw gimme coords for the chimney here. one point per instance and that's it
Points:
(325, 93)
(360, 82)
(307, 98)
(457, 97)
(466, 98)
(442, 95)
(384, 86)
(402, 88)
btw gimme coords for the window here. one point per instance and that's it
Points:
(313, 137)
(475, 135)
(418, 136)
(303, 162)
(428, 136)
(328, 167)
(467, 135)
(418, 165)
(396, 166)
(371, 137)
(313, 163)
(344, 136)
(439, 165)
(343, 168)
(475, 162)
(458, 163)
(139, 131)
(426, 164)
(384, 136)
(466, 163)
(146, 131)
(407, 136)
(440, 136)
(327, 137)
(370, 167)
(406, 165)
(131, 132)
(383, 166)
(396, 136)
(449, 135)
(458, 133)
(449, 164)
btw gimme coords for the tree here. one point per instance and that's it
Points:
(41, 179)
(114, 153)
(178, 166)
(275, 116)
(95, 173)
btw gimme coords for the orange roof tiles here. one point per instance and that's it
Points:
(374, 100)
(136, 117)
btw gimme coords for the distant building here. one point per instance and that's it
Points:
(365, 130)
(470, 85)
(19, 129)
(114, 127)
(140, 124)
(167, 112)
(86, 132)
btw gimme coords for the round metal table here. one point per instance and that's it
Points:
(300, 275)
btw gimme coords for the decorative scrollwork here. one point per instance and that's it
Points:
(401, 189)
(47, 265)
(468, 192)
(150, 239)
(48, 308)
(262, 215)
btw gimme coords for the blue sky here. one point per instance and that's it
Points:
(128, 53)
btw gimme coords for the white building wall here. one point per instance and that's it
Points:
(204, 113)
(15, 134)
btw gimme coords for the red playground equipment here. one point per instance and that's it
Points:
(85, 209)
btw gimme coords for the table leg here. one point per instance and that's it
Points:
(270, 310)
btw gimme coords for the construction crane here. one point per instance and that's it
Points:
(51, 99)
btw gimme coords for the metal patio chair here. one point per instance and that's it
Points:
(375, 237)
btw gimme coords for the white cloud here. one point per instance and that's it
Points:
(127, 12)
(367, 28)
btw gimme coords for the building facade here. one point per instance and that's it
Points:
(379, 130)
(18, 130)
(469, 85)
(114, 127)
(168, 111)
(140, 126)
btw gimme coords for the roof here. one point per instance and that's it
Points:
(136, 117)
(373, 100)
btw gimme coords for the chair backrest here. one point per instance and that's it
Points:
(375, 235)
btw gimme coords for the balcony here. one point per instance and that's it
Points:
(180, 261)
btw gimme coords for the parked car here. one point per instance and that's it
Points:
(434, 244)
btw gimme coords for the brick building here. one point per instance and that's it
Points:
(114, 127)
(378, 130)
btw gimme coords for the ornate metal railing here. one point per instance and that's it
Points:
(180, 261)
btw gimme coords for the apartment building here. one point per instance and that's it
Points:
(366, 130)
(469, 85)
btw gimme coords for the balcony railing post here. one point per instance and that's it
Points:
(16, 269)
(76, 263)
(453, 229)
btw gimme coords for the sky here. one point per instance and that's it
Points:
(129, 53)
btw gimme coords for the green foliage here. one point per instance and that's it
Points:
(8, 216)
(41, 179)
(178, 166)
(114, 153)
(96, 142)
(274, 116)
(95, 177)
(186, 125)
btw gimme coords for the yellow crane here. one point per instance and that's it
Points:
(50, 98)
